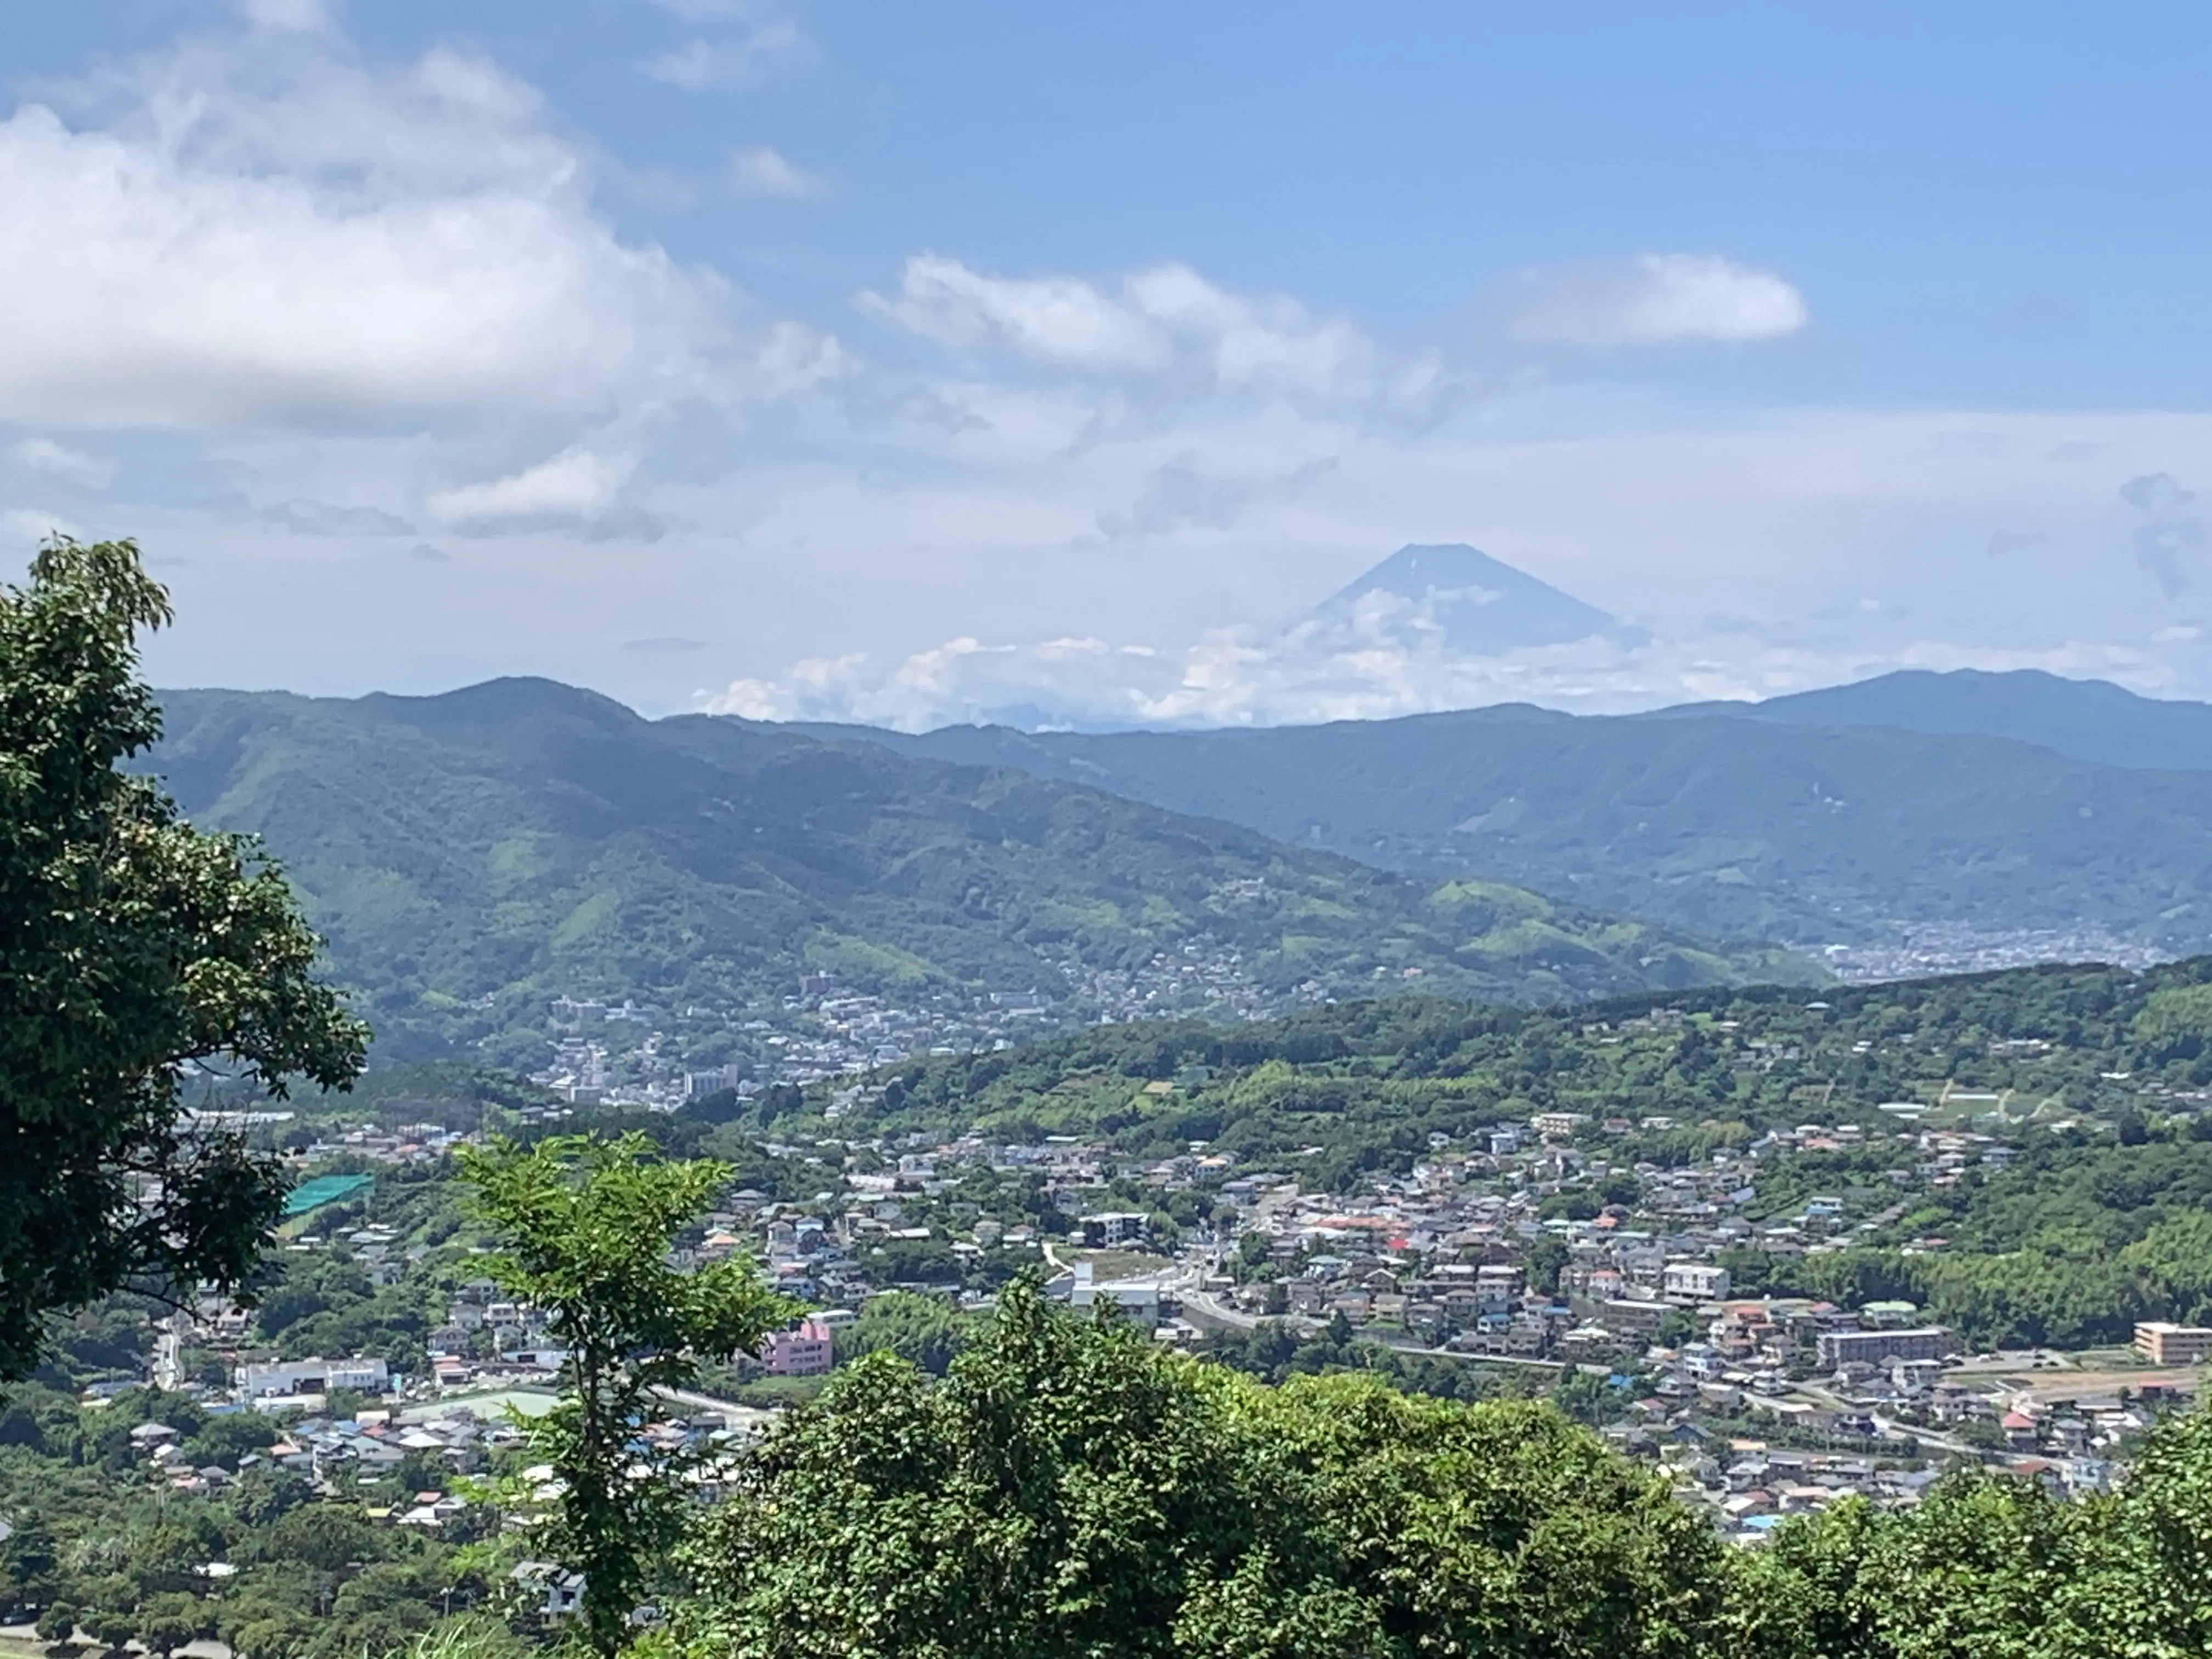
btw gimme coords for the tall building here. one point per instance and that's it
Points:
(2165, 1344)
(807, 1349)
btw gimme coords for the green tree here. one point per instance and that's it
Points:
(58, 1622)
(29, 1572)
(168, 1621)
(923, 1330)
(1988, 1565)
(1068, 1491)
(588, 1223)
(130, 944)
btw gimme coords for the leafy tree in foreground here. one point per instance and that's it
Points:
(1069, 1491)
(130, 942)
(588, 1223)
(1995, 1567)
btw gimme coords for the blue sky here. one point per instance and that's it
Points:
(910, 362)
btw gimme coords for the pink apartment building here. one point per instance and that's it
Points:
(804, 1350)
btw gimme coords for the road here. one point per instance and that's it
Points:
(1829, 1401)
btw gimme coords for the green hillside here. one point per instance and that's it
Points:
(470, 855)
(1369, 1082)
(1709, 819)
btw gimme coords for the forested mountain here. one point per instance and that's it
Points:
(472, 854)
(1798, 821)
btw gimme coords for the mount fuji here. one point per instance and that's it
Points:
(1454, 598)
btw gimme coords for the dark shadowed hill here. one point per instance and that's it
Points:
(470, 853)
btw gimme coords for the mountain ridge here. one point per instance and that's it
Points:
(472, 854)
(2083, 719)
(1713, 818)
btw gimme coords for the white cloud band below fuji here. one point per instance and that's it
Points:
(1243, 678)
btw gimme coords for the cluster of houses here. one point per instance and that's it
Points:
(1541, 1243)
(371, 1444)
(1751, 1479)
(620, 1053)
(452, 1438)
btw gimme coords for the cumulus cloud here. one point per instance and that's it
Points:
(1164, 323)
(765, 172)
(1062, 320)
(579, 486)
(266, 232)
(1653, 299)
(738, 60)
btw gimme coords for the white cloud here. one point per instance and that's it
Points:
(266, 233)
(1653, 299)
(740, 60)
(578, 486)
(1744, 548)
(57, 460)
(763, 172)
(1237, 677)
(1058, 320)
(1165, 323)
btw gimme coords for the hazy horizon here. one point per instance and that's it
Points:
(767, 358)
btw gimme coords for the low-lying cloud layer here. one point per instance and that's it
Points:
(1383, 659)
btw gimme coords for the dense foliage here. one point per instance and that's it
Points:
(262, 1563)
(1367, 1083)
(1068, 1489)
(130, 946)
(1994, 1566)
(2068, 1249)
(472, 854)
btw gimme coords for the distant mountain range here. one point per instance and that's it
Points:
(2083, 719)
(2004, 801)
(471, 854)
